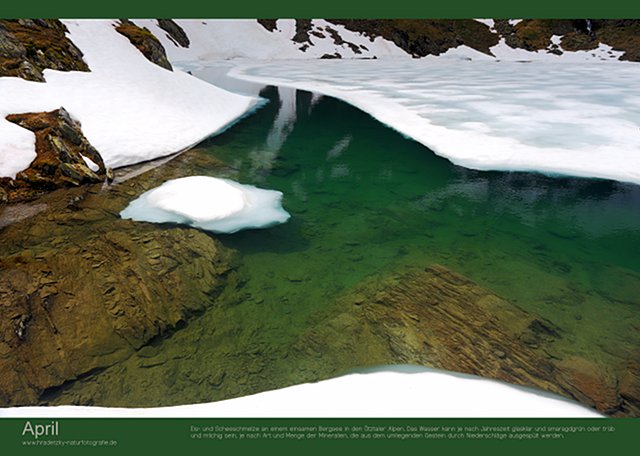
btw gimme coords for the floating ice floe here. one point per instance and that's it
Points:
(550, 117)
(209, 203)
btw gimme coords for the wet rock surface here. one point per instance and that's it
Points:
(61, 150)
(145, 42)
(28, 46)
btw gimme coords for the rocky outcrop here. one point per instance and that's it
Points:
(64, 156)
(174, 32)
(28, 46)
(422, 37)
(145, 42)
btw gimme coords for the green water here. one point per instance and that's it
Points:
(365, 200)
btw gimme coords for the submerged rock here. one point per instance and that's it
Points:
(64, 156)
(65, 314)
(438, 318)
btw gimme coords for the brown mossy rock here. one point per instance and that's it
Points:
(174, 32)
(28, 46)
(578, 41)
(422, 37)
(535, 34)
(74, 307)
(60, 147)
(435, 317)
(145, 42)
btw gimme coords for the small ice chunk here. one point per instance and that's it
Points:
(209, 203)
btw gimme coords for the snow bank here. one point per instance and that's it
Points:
(247, 39)
(131, 110)
(604, 52)
(209, 203)
(387, 392)
(551, 117)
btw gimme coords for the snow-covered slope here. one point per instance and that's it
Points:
(558, 118)
(130, 109)
(295, 39)
(393, 392)
(246, 38)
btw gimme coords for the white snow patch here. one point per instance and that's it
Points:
(603, 52)
(387, 392)
(514, 22)
(209, 203)
(226, 39)
(489, 23)
(131, 110)
(559, 118)
(17, 144)
(91, 164)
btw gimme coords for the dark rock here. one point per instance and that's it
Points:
(60, 147)
(145, 42)
(303, 28)
(175, 32)
(29, 46)
(269, 24)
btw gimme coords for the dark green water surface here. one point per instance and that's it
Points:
(364, 200)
